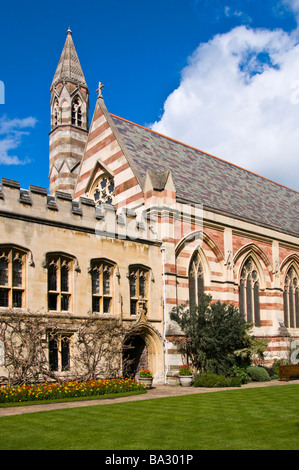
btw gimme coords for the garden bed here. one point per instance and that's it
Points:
(74, 390)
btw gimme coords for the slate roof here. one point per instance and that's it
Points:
(219, 185)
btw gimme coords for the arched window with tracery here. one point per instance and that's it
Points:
(77, 112)
(291, 299)
(196, 280)
(249, 293)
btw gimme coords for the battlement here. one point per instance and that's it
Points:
(36, 205)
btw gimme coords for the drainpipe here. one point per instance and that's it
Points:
(164, 317)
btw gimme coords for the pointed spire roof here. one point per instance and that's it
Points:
(69, 68)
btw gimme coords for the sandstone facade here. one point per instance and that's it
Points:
(136, 223)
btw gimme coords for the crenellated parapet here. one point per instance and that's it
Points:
(37, 206)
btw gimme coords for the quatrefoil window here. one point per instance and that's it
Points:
(104, 190)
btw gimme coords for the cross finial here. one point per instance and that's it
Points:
(99, 90)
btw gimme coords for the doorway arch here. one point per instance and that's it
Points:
(143, 349)
(135, 356)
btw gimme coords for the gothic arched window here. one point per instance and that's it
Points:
(196, 282)
(104, 190)
(291, 299)
(59, 351)
(56, 113)
(59, 292)
(101, 283)
(77, 112)
(249, 291)
(138, 278)
(12, 265)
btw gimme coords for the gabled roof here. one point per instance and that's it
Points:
(69, 68)
(217, 184)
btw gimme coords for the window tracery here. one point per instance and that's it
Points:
(196, 280)
(291, 299)
(12, 265)
(56, 113)
(59, 351)
(59, 292)
(77, 112)
(104, 190)
(101, 278)
(138, 278)
(249, 290)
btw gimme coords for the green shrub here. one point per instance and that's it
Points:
(210, 380)
(258, 374)
(240, 372)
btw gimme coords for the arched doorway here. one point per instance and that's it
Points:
(143, 349)
(135, 356)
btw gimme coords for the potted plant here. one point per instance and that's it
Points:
(145, 378)
(185, 376)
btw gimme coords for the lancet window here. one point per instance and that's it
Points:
(77, 112)
(56, 113)
(196, 280)
(249, 290)
(291, 299)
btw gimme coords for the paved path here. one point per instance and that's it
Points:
(159, 391)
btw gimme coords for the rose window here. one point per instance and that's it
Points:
(104, 191)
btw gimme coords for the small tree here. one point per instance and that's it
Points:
(96, 352)
(25, 356)
(213, 332)
(99, 348)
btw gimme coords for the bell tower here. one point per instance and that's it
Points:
(69, 119)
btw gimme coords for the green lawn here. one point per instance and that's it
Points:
(257, 418)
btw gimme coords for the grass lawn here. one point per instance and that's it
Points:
(258, 418)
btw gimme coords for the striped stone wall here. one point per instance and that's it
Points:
(105, 153)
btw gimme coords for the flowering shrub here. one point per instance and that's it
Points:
(145, 373)
(185, 370)
(50, 391)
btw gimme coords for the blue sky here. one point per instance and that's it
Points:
(199, 71)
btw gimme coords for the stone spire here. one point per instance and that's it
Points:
(69, 68)
(69, 120)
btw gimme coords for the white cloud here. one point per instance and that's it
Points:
(293, 5)
(11, 133)
(239, 100)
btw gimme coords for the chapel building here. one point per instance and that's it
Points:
(135, 223)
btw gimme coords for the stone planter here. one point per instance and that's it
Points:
(186, 380)
(146, 381)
